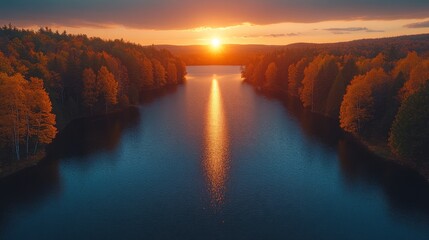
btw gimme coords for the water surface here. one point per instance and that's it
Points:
(212, 159)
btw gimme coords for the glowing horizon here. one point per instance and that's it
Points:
(246, 33)
(269, 22)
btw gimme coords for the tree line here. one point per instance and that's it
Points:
(379, 93)
(48, 78)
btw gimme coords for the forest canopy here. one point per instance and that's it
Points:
(374, 88)
(48, 78)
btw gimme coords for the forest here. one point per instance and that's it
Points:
(377, 90)
(49, 78)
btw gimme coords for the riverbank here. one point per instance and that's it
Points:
(10, 167)
(383, 151)
(13, 166)
(377, 148)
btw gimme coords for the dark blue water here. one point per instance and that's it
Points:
(212, 159)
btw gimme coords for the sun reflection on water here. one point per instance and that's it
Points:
(216, 146)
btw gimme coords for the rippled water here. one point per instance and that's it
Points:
(212, 159)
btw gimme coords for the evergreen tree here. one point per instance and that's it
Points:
(409, 136)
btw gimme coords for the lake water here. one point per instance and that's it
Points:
(212, 159)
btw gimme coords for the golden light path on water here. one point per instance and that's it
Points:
(216, 146)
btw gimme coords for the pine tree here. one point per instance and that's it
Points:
(409, 136)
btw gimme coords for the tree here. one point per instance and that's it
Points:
(367, 64)
(147, 73)
(318, 79)
(41, 121)
(118, 70)
(325, 78)
(295, 76)
(108, 86)
(409, 136)
(356, 106)
(159, 73)
(181, 70)
(406, 64)
(258, 75)
(310, 74)
(73, 88)
(363, 97)
(418, 76)
(5, 65)
(90, 88)
(247, 72)
(338, 88)
(271, 75)
(12, 111)
(25, 114)
(171, 73)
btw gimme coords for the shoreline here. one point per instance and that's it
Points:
(380, 150)
(383, 152)
(12, 167)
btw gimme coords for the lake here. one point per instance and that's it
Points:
(212, 159)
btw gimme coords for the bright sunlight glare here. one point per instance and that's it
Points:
(215, 43)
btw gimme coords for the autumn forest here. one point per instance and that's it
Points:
(376, 89)
(49, 78)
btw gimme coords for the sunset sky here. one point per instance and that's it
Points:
(189, 22)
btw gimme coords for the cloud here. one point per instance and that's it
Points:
(347, 30)
(374, 31)
(275, 35)
(187, 14)
(272, 35)
(339, 32)
(293, 34)
(424, 24)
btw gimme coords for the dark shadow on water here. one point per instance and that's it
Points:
(150, 96)
(406, 191)
(26, 188)
(88, 135)
(316, 127)
(80, 138)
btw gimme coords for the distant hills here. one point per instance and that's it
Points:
(229, 54)
(235, 54)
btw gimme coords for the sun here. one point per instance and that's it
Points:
(215, 43)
